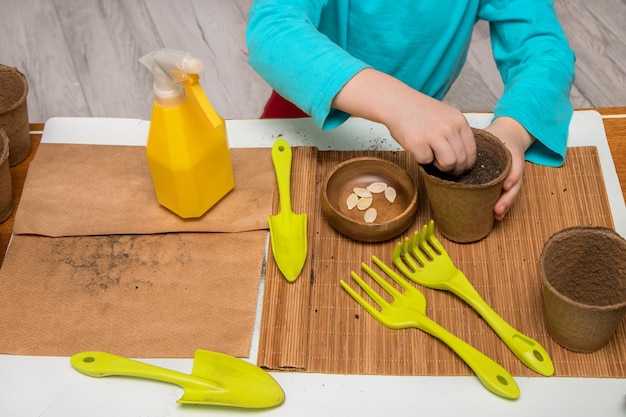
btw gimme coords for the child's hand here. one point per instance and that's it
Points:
(435, 132)
(430, 130)
(517, 139)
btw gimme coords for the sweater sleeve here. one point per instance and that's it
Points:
(537, 68)
(300, 63)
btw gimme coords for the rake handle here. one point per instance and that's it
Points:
(527, 350)
(493, 376)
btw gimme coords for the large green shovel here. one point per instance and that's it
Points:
(216, 378)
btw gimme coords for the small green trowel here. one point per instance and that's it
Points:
(216, 378)
(288, 231)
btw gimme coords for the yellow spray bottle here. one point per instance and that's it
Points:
(187, 147)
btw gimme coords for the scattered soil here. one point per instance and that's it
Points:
(484, 170)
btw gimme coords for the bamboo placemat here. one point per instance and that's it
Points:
(312, 325)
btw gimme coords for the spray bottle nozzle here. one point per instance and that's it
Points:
(170, 68)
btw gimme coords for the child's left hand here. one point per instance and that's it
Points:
(517, 140)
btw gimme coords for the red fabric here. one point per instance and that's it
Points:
(278, 107)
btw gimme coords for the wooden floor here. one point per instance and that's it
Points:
(80, 56)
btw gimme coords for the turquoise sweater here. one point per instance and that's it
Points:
(308, 49)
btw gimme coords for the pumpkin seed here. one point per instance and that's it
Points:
(364, 203)
(377, 187)
(362, 192)
(352, 201)
(370, 215)
(390, 194)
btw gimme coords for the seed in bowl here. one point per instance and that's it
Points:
(370, 215)
(352, 201)
(377, 187)
(390, 194)
(362, 192)
(364, 203)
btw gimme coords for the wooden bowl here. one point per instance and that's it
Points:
(392, 218)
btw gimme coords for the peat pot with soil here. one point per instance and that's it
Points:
(462, 205)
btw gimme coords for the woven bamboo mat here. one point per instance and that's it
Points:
(312, 325)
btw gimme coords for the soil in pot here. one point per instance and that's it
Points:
(484, 170)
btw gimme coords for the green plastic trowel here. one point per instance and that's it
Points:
(288, 231)
(216, 378)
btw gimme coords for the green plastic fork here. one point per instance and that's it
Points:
(424, 260)
(408, 310)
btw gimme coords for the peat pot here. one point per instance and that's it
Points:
(463, 206)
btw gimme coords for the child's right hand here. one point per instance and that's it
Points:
(429, 129)
(433, 131)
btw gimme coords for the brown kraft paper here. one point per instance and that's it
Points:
(96, 264)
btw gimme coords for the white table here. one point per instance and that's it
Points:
(49, 386)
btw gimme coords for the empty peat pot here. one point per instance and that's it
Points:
(583, 271)
(464, 209)
(14, 113)
(392, 218)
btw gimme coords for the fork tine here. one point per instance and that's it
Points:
(423, 242)
(392, 274)
(378, 299)
(402, 259)
(415, 262)
(414, 247)
(432, 239)
(399, 260)
(360, 300)
(382, 282)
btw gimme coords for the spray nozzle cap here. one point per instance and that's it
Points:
(191, 65)
(170, 68)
